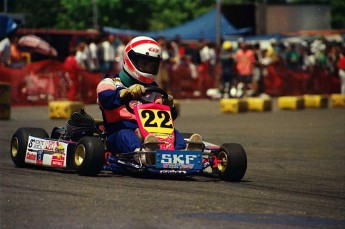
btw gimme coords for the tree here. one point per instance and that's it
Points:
(39, 13)
(338, 16)
(133, 14)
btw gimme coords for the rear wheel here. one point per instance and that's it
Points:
(89, 156)
(19, 143)
(233, 162)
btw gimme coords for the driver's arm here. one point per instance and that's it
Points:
(108, 93)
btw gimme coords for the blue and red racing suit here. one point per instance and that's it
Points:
(119, 123)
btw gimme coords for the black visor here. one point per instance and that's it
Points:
(145, 63)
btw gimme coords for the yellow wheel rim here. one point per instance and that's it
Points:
(223, 157)
(14, 147)
(79, 155)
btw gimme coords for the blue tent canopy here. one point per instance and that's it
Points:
(7, 25)
(203, 27)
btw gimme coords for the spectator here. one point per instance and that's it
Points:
(5, 51)
(93, 63)
(203, 68)
(261, 55)
(212, 70)
(82, 55)
(292, 58)
(164, 78)
(119, 52)
(16, 59)
(227, 64)
(72, 69)
(245, 60)
(341, 67)
(107, 54)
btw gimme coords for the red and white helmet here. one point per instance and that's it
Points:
(142, 57)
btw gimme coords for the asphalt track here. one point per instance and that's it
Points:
(295, 177)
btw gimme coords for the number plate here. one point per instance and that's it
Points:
(155, 118)
(178, 159)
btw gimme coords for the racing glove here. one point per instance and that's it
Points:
(169, 101)
(135, 91)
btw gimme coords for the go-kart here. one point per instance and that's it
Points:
(86, 152)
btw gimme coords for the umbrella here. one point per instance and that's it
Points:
(37, 44)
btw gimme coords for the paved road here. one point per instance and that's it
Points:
(295, 178)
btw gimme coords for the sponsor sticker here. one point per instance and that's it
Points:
(178, 159)
(46, 152)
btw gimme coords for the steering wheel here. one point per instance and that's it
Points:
(148, 90)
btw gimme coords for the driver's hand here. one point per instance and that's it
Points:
(136, 90)
(169, 101)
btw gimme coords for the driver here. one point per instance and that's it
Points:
(141, 61)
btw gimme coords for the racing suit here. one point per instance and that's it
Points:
(120, 124)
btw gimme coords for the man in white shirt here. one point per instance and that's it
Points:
(5, 51)
(108, 51)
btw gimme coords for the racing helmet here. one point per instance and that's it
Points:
(142, 57)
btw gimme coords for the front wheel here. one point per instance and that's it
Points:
(232, 163)
(89, 156)
(19, 143)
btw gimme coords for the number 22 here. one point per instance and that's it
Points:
(151, 116)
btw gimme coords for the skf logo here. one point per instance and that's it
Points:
(178, 159)
(154, 50)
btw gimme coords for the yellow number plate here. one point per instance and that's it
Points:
(156, 121)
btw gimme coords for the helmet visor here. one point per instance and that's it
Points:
(145, 63)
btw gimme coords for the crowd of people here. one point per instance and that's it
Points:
(237, 68)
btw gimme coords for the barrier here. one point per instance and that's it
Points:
(337, 100)
(259, 104)
(291, 102)
(315, 101)
(43, 81)
(281, 81)
(63, 109)
(233, 105)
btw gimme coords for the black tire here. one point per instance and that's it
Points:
(89, 156)
(55, 133)
(19, 143)
(233, 163)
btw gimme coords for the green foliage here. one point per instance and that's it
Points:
(175, 12)
(338, 15)
(132, 14)
(39, 13)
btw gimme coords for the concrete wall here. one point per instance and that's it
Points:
(292, 18)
